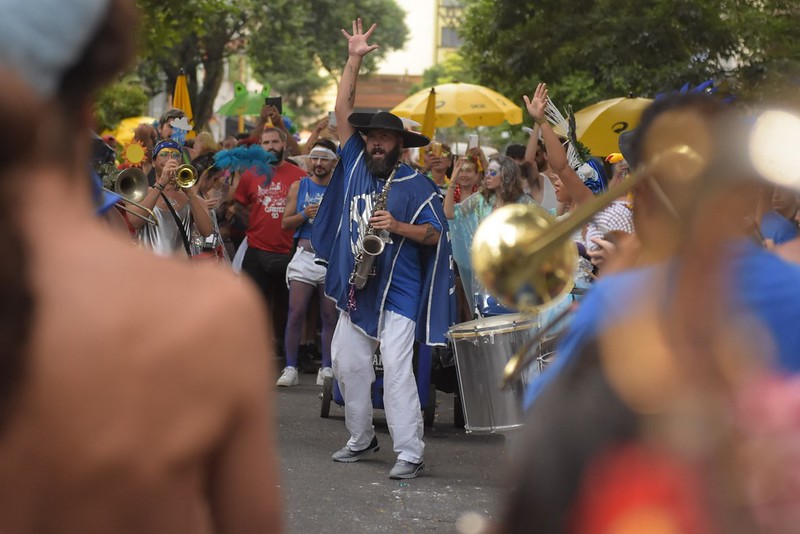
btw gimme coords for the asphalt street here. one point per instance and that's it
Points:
(463, 472)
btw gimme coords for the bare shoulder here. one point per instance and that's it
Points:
(203, 319)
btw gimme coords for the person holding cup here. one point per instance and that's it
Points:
(303, 276)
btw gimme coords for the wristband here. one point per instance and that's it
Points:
(303, 213)
(160, 186)
(540, 121)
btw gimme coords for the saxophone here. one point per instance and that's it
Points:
(372, 244)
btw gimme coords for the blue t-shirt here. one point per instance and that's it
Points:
(765, 287)
(777, 227)
(309, 192)
(405, 288)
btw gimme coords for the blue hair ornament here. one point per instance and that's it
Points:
(252, 158)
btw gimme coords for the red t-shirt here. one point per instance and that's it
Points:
(266, 207)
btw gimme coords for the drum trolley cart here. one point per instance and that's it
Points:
(422, 373)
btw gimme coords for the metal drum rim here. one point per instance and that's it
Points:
(472, 328)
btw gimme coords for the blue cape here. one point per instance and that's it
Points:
(335, 232)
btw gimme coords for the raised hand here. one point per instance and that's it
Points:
(357, 42)
(538, 104)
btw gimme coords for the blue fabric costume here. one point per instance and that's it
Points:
(763, 286)
(339, 224)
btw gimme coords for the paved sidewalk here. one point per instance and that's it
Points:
(462, 472)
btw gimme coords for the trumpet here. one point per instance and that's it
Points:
(131, 184)
(527, 260)
(185, 176)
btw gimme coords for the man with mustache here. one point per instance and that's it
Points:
(260, 200)
(303, 276)
(408, 296)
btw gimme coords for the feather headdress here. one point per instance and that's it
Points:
(246, 158)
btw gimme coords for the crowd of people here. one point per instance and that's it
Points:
(668, 407)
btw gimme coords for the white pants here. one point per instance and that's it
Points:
(352, 352)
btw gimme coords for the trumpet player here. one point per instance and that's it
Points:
(408, 296)
(176, 209)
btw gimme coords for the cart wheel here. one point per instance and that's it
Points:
(327, 396)
(430, 410)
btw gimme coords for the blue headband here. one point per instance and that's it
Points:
(40, 40)
(166, 143)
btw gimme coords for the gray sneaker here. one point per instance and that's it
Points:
(403, 469)
(346, 455)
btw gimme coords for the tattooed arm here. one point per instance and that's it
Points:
(425, 233)
(357, 48)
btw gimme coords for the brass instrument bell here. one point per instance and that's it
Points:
(186, 176)
(131, 184)
(508, 262)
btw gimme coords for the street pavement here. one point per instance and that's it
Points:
(463, 472)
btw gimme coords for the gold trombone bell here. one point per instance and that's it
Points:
(131, 184)
(527, 259)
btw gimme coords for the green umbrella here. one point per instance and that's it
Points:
(244, 102)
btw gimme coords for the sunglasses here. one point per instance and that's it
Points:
(493, 172)
(169, 154)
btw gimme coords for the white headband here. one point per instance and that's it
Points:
(41, 39)
(320, 150)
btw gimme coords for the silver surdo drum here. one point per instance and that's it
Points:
(482, 348)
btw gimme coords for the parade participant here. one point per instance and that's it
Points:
(613, 223)
(501, 186)
(270, 117)
(179, 211)
(123, 408)
(468, 173)
(165, 122)
(410, 291)
(303, 275)
(667, 375)
(147, 136)
(779, 224)
(762, 286)
(260, 200)
(438, 160)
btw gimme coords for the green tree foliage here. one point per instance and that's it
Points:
(192, 35)
(297, 45)
(770, 60)
(294, 45)
(125, 98)
(587, 50)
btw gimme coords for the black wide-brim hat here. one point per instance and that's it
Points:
(383, 120)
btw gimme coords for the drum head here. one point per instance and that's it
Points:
(494, 325)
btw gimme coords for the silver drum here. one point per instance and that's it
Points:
(482, 349)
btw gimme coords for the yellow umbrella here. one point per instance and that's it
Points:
(475, 105)
(599, 125)
(180, 98)
(123, 133)
(428, 122)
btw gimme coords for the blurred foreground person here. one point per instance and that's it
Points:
(118, 411)
(670, 404)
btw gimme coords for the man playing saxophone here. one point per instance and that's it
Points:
(407, 294)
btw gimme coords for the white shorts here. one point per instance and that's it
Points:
(303, 269)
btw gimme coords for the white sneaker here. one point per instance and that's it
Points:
(322, 374)
(289, 377)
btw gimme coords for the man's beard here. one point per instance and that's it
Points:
(320, 172)
(382, 167)
(278, 155)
